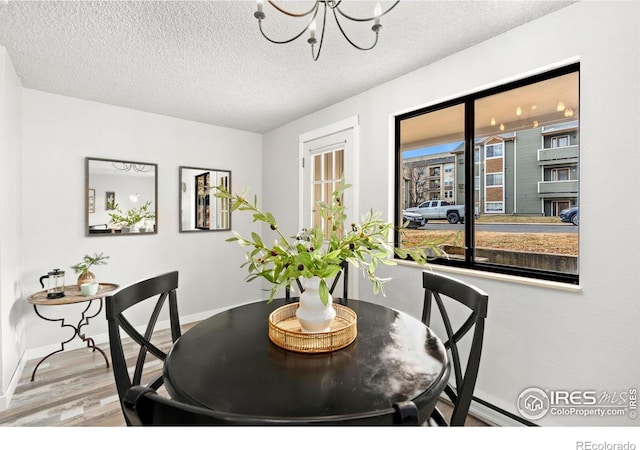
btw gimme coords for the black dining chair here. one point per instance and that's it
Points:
(159, 291)
(144, 407)
(344, 274)
(444, 290)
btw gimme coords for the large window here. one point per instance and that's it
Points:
(510, 155)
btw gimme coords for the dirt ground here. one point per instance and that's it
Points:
(559, 243)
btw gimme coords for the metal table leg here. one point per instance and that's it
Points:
(77, 331)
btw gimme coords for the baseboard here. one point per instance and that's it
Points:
(496, 416)
(5, 398)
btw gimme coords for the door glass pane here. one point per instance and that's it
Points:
(328, 170)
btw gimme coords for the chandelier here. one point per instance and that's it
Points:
(127, 167)
(334, 7)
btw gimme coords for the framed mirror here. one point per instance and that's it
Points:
(200, 210)
(121, 197)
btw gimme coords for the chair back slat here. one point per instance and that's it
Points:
(159, 291)
(451, 344)
(437, 288)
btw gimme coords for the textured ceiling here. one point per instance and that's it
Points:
(206, 61)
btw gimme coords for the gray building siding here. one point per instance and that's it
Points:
(528, 172)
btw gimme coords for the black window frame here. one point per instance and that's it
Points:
(469, 129)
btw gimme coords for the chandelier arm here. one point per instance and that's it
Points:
(324, 24)
(368, 19)
(283, 11)
(347, 37)
(293, 38)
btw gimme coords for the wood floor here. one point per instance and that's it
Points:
(75, 389)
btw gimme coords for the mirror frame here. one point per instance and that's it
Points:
(88, 160)
(180, 203)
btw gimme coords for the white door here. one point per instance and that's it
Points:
(327, 156)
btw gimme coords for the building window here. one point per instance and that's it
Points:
(559, 141)
(495, 207)
(494, 179)
(560, 174)
(494, 150)
(497, 137)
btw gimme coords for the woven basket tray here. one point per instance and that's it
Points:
(285, 331)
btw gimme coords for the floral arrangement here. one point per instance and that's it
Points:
(133, 216)
(311, 254)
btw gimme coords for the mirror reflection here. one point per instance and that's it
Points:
(200, 210)
(121, 197)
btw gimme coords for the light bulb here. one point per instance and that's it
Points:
(376, 12)
(493, 121)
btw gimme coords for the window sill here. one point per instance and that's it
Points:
(495, 276)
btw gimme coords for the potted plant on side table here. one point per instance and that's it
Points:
(82, 268)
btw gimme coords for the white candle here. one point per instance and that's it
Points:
(376, 13)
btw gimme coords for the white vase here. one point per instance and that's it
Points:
(313, 315)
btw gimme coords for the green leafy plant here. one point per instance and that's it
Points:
(97, 259)
(133, 216)
(309, 254)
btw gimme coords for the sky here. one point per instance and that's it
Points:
(443, 148)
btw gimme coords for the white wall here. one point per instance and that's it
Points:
(546, 337)
(11, 305)
(59, 132)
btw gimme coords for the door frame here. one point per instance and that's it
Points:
(351, 125)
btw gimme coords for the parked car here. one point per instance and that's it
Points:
(439, 209)
(570, 215)
(414, 220)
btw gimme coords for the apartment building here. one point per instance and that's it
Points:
(533, 171)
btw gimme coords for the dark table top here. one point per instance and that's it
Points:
(228, 363)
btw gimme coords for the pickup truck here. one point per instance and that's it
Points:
(439, 209)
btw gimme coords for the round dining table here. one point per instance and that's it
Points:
(228, 363)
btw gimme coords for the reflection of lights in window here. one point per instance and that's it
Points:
(518, 111)
(535, 124)
(128, 167)
(493, 121)
(560, 106)
(501, 127)
(568, 112)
